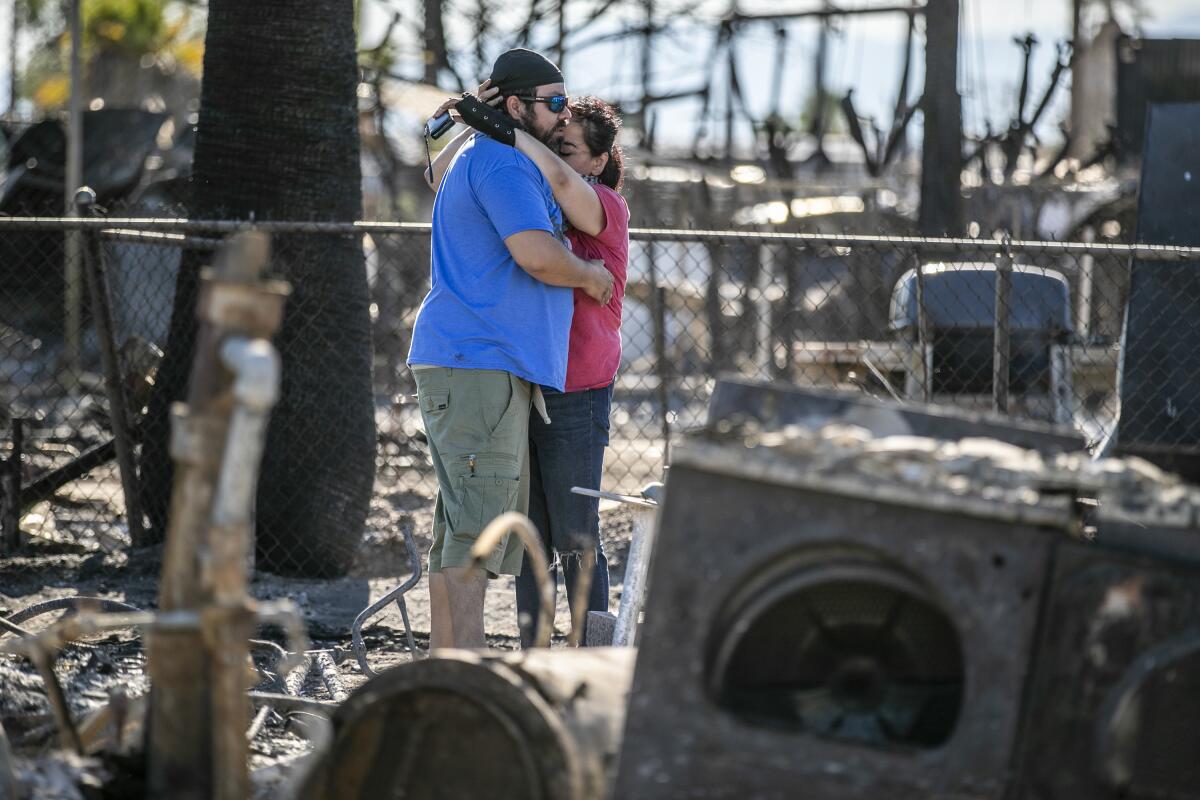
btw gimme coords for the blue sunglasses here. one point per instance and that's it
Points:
(556, 103)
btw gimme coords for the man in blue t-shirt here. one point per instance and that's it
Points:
(494, 325)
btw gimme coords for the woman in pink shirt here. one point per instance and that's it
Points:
(586, 176)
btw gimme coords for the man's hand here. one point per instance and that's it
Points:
(488, 93)
(600, 282)
(448, 106)
(547, 260)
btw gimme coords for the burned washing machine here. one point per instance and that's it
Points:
(839, 615)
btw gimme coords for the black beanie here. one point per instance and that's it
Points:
(520, 69)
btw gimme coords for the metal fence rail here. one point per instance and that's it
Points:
(906, 317)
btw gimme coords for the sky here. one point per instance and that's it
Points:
(864, 53)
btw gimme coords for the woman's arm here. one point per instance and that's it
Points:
(576, 196)
(437, 170)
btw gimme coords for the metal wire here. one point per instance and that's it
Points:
(137, 227)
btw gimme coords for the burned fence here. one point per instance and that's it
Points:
(906, 318)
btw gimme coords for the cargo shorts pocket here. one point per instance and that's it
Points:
(484, 499)
(435, 401)
(488, 487)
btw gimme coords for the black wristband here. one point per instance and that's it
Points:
(485, 119)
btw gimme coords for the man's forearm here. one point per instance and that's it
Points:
(562, 268)
(547, 260)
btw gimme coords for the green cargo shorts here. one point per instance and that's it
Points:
(477, 421)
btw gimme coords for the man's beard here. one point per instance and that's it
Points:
(529, 122)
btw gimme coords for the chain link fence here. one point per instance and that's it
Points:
(85, 307)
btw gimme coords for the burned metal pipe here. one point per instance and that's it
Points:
(260, 719)
(44, 486)
(198, 710)
(397, 594)
(644, 507)
(75, 627)
(255, 364)
(8, 626)
(80, 603)
(634, 589)
(286, 702)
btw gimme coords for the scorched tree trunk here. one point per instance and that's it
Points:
(278, 140)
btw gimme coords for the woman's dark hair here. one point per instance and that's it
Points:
(601, 123)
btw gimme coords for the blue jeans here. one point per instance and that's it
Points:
(568, 452)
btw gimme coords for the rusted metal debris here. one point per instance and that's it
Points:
(199, 676)
(620, 630)
(774, 406)
(878, 615)
(397, 594)
(115, 729)
(140, 360)
(197, 643)
(538, 724)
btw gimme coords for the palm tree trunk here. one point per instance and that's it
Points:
(278, 140)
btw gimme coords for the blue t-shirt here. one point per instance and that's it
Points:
(483, 311)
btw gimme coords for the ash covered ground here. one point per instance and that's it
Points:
(77, 561)
(76, 544)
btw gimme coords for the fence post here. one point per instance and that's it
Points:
(658, 297)
(1087, 270)
(97, 283)
(72, 363)
(10, 491)
(923, 331)
(661, 366)
(764, 346)
(1001, 353)
(787, 322)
